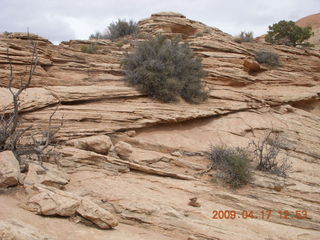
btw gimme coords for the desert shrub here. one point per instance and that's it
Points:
(97, 35)
(165, 69)
(267, 150)
(244, 37)
(232, 164)
(288, 33)
(92, 48)
(117, 29)
(270, 58)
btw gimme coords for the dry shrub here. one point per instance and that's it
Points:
(267, 150)
(232, 164)
(164, 69)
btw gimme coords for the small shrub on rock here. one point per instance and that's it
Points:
(266, 151)
(92, 48)
(164, 69)
(244, 37)
(117, 30)
(267, 57)
(232, 164)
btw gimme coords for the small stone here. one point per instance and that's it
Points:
(100, 144)
(193, 202)
(176, 154)
(123, 150)
(132, 133)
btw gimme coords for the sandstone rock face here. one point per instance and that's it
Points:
(123, 149)
(17, 230)
(151, 192)
(9, 169)
(99, 144)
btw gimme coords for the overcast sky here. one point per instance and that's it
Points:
(59, 20)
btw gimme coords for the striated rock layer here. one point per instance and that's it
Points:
(149, 188)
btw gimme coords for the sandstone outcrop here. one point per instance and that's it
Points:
(53, 202)
(9, 169)
(150, 193)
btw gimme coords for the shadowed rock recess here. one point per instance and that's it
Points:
(132, 163)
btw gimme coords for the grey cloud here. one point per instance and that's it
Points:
(68, 19)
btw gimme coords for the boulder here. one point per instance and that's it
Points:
(9, 169)
(251, 66)
(99, 216)
(123, 150)
(50, 201)
(99, 144)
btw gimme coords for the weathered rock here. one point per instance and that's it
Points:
(9, 169)
(48, 175)
(52, 202)
(251, 66)
(17, 230)
(99, 216)
(123, 149)
(99, 144)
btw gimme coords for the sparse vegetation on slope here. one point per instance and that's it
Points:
(267, 151)
(91, 48)
(165, 69)
(288, 33)
(268, 57)
(232, 164)
(244, 37)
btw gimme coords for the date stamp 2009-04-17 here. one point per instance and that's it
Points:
(259, 214)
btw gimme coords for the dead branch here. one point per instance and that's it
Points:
(10, 130)
(267, 150)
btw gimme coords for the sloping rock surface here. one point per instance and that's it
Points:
(150, 192)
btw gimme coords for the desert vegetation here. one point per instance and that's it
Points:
(117, 30)
(288, 33)
(268, 57)
(232, 164)
(165, 69)
(244, 37)
(266, 151)
(91, 48)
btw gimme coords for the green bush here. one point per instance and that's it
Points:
(121, 28)
(270, 58)
(288, 33)
(232, 164)
(165, 69)
(92, 48)
(117, 29)
(244, 37)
